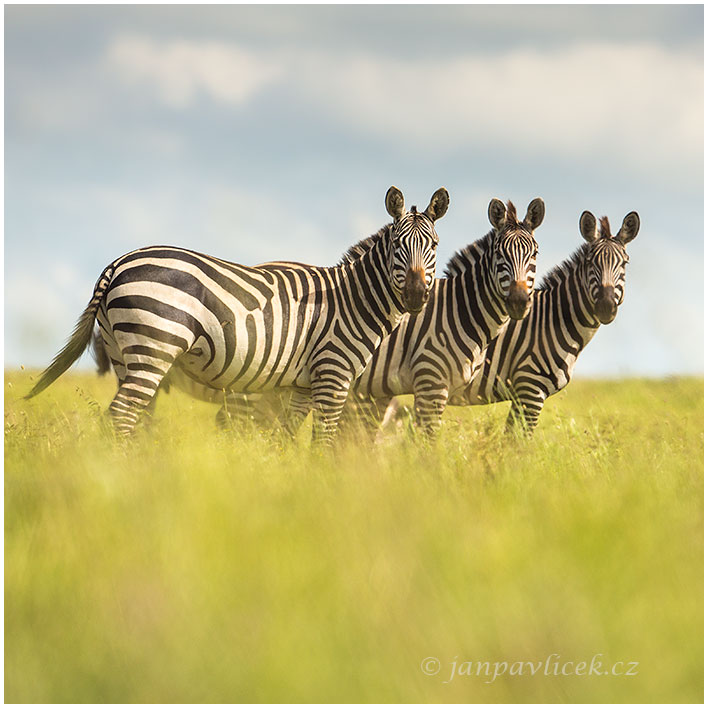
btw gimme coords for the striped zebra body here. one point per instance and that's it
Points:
(534, 358)
(243, 329)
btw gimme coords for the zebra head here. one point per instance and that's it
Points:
(412, 248)
(514, 254)
(605, 261)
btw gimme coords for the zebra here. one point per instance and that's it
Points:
(437, 351)
(532, 359)
(238, 328)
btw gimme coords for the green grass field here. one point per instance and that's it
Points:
(191, 565)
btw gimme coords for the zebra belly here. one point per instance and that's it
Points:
(378, 384)
(179, 379)
(470, 395)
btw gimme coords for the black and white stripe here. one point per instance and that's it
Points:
(243, 329)
(534, 358)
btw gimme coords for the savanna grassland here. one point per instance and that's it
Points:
(192, 565)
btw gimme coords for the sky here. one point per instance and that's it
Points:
(259, 133)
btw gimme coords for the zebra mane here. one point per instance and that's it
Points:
(605, 228)
(562, 270)
(462, 260)
(570, 264)
(354, 253)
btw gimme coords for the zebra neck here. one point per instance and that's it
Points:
(479, 311)
(572, 305)
(373, 297)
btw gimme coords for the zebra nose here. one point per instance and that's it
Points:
(606, 307)
(415, 294)
(517, 300)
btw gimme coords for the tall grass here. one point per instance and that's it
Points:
(195, 566)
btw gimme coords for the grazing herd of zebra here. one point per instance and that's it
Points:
(281, 339)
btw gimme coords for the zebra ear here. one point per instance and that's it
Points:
(535, 214)
(439, 204)
(587, 226)
(394, 202)
(497, 213)
(629, 229)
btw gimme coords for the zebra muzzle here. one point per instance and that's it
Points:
(606, 307)
(415, 294)
(518, 300)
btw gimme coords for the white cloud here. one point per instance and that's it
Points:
(641, 103)
(181, 70)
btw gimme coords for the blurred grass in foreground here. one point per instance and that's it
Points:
(195, 566)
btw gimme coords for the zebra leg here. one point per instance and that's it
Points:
(349, 418)
(329, 393)
(234, 412)
(524, 412)
(136, 394)
(299, 407)
(149, 410)
(429, 405)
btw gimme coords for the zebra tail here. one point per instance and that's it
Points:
(98, 350)
(79, 340)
